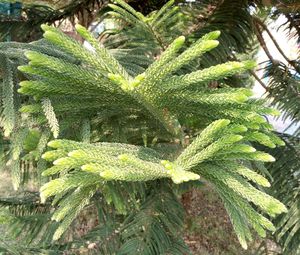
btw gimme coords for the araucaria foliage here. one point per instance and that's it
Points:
(122, 134)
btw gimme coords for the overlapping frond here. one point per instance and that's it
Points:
(286, 187)
(283, 90)
(26, 218)
(146, 227)
(154, 27)
(212, 155)
(157, 93)
(20, 145)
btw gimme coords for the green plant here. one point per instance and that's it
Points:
(124, 122)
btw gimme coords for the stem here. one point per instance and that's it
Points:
(292, 63)
(259, 80)
(263, 43)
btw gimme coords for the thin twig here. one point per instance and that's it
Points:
(292, 63)
(263, 43)
(259, 80)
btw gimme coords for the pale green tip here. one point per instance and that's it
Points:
(88, 167)
(53, 218)
(262, 233)
(265, 183)
(82, 31)
(234, 138)
(213, 35)
(276, 207)
(29, 54)
(112, 6)
(226, 122)
(242, 129)
(59, 161)
(24, 83)
(123, 157)
(272, 145)
(46, 155)
(265, 157)
(22, 68)
(45, 173)
(57, 234)
(180, 39)
(217, 33)
(85, 167)
(74, 154)
(271, 158)
(207, 45)
(7, 133)
(50, 35)
(54, 144)
(249, 149)
(45, 27)
(284, 209)
(243, 244)
(21, 91)
(213, 43)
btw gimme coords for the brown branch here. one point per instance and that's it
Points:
(262, 43)
(292, 63)
(259, 80)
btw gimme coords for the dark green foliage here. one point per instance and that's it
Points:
(284, 88)
(20, 21)
(286, 187)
